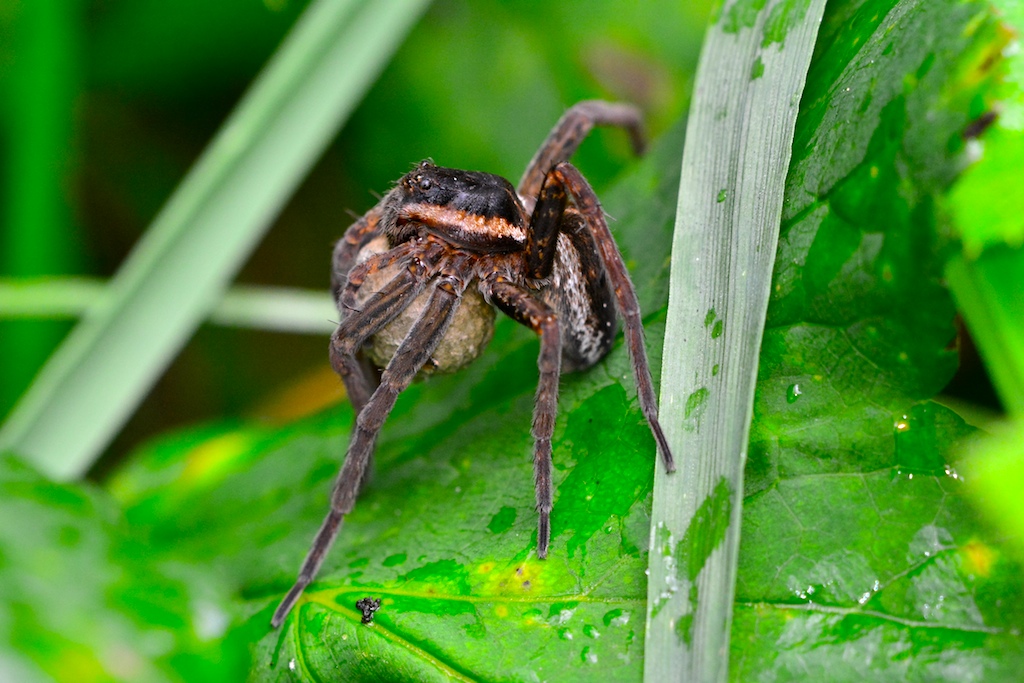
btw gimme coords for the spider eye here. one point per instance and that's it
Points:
(424, 183)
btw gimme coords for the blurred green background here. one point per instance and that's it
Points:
(107, 103)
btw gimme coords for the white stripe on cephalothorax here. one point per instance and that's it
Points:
(472, 223)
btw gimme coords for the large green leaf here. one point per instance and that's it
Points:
(859, 556)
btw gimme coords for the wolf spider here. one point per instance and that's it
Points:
(441, 237)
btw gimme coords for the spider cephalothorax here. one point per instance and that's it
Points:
(415, 279)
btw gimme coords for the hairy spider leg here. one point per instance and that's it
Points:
(412, 354)
(542, 235)
(569, 132)
(381, 309)
(565, 181)
(362, 377)
(358, 375)
(520, 305)
(346, 298)
(359, 326)
(347, 249)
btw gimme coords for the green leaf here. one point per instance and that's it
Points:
(202, 236)
(983, 204)
(740, 134)
(860, 557)
(80, 600)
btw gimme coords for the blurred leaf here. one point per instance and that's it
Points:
(982, 202)
(988, 282)
(283, 309)
(988, 278)
(990, 294)
(995, 474)
(81, 601)
(985, 205)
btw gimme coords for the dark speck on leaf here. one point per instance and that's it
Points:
(368, 606)
(979, 125)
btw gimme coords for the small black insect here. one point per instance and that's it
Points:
(975, 128)
(415, 280)
(368, 606)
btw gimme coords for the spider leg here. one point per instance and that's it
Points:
(545, 224)
(347, 248)
(356, 328)
(569, 132)
(564, 178)
(346, 251)
(412, 353)
(346, 297)
(521, 306)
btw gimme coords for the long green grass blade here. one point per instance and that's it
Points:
(279, 309)
(201, 237)
(740, 131)
(41, 83)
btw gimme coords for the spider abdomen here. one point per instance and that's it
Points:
(466, 338)
(580, 294)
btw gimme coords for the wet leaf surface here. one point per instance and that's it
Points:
(860, 557)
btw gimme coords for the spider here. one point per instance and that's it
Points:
(415, 280)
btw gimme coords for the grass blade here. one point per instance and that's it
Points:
(203, 234)
(41, 84)
(277, 309)
(739, 137)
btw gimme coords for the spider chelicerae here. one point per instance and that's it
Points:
(415, 280)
